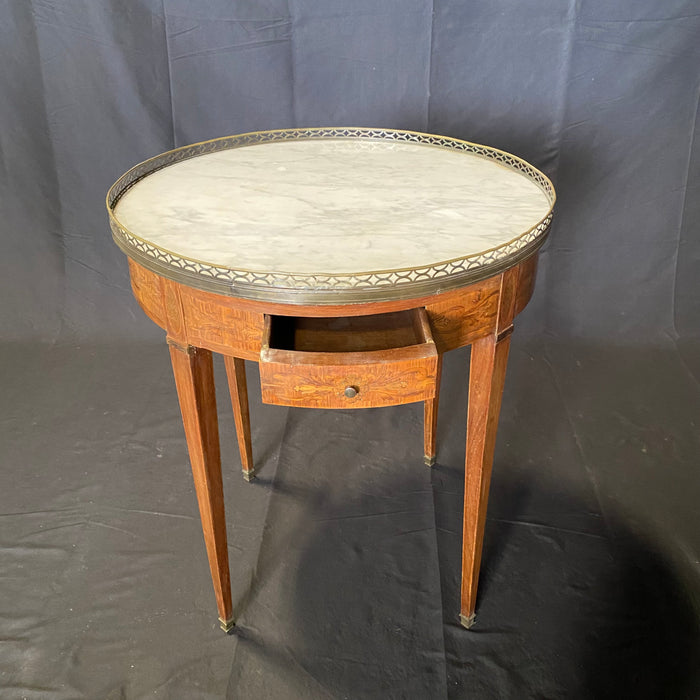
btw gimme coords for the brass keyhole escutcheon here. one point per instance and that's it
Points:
(351, 391)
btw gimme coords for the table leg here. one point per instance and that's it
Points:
(194, 379)
(238, 388)
(489, 357)
(430, 414)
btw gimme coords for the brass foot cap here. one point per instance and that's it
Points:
(430, 461)
(227, 625)
(467, 620)
(248, 475)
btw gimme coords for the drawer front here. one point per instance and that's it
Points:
(348, 380)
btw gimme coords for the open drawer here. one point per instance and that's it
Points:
(348, 362)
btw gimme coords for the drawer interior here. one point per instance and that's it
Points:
(388, 331)
(348, 362)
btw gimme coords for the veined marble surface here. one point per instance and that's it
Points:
(332, 206)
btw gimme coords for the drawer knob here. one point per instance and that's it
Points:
(351, 391)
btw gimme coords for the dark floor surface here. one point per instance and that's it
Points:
(345, 551)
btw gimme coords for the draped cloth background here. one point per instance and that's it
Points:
(603, 97)
(598, 445)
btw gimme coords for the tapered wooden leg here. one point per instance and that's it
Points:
(430, 415)
(194, 378)
(489, 357)
(235, 370)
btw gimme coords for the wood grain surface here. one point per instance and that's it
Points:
(386, 353)
(238, 388)
(194, 379)
(487, 371)
(430, 416)
(380, 377)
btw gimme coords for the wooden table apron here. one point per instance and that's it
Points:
(198, 323)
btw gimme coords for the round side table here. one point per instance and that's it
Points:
(345, 262)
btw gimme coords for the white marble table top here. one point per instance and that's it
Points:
(329, 213)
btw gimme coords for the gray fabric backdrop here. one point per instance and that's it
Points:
(602, 96)
(590, 585)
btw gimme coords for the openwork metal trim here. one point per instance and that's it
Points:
(293, 287)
